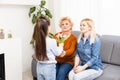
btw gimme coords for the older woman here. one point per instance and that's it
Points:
(65, 61)
(88, 64)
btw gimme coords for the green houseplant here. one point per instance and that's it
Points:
(37, 11)
(41, 10)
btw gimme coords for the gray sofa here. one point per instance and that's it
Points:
(110, 55)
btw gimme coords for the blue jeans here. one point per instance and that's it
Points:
(46, 71)
(62, 70)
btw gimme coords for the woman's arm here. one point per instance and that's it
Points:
(72, 46)
(77, 61)
(95, 53)
(77, 68)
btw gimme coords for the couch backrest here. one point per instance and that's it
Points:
(113, 44)
(110, 48)
(106, 49)
(76, 33)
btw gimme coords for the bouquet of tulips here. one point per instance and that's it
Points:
(60, 38)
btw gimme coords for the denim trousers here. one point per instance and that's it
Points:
(62, 70)
(46, 71)
(89, 74)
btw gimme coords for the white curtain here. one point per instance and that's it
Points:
(76, 10)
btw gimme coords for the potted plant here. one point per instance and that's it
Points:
(40, 10)
(37, 11)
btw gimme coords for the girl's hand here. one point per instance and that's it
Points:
(61, 44)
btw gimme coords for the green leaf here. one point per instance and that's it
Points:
(32, 9)
(34, 18)
(48, 13)
(42, 15)
(32, 42)
(38, 14)
(43, 2)
(51, 35)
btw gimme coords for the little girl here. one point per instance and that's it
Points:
(45, 50)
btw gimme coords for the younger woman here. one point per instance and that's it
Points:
(45, 50)
(87, 54)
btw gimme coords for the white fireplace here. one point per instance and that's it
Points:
(13, 58)
(2, 67)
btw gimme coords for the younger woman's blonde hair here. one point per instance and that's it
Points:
(65, 18)
(90, 23)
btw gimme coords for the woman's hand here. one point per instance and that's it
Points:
(60, 38)
(78, 69)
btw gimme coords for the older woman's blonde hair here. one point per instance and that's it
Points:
(65, 18)
(90, 23)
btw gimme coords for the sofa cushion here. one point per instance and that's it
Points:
(111, 72)
(105, 65)
(106, 49)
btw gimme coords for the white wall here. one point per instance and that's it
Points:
(15, 18)
(20, 2)
(55, 7)
(76, 10)
(105, 13)
(110, 17)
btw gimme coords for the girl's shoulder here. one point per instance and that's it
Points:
(51, 39)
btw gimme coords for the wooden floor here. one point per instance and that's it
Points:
(27, 75)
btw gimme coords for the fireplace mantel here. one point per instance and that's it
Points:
(13, 58)
(19, 2)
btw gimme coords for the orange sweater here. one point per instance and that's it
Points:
(69, 48)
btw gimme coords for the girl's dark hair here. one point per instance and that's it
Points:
(39, 36)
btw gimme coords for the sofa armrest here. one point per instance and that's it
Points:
(34, 57)
(33, 66)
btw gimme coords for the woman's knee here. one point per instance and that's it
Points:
(71, 75)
